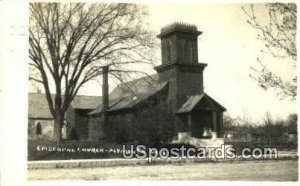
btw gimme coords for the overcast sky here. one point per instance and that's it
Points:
(229, 46)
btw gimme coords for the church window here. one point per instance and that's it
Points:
(169, 50)
(188, 51)
(38, 129)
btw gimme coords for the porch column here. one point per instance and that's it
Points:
(220, 132)
(189, 122)
(214, 121)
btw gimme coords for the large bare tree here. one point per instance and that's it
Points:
(279, 37)
(71, 42)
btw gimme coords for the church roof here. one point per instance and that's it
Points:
(38, 105)
(86, 102)
(193, 100)
(129, 94)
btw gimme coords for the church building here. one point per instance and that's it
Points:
(168, 106)
(177, 88)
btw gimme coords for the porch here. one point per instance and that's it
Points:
(200, 117)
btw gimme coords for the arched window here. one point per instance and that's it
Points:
(188, 51)
(38, 129)
(169, 51)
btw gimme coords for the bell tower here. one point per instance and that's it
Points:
(180, 66)
(179, 44)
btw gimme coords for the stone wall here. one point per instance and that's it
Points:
(46, 129)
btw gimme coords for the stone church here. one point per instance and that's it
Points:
(172, 100)
(177, 87)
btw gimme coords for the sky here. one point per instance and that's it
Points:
(230, 47)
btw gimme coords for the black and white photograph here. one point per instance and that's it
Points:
(150, 91)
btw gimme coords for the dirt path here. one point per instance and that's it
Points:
(282, 170)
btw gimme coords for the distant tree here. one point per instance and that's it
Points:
(268, 128)
(292, 123)
(71, 42)
(228, 122)
(279, 38)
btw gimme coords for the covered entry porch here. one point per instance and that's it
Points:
(201, 117)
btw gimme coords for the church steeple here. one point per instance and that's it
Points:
(180, 66)
(179, 48)
(179, 43)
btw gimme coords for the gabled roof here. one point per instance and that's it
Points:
(190, 103)
(38, 104)
(193, 100)
(129, 94)
(86, 102)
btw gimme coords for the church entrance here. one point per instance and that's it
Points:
(202, 124)
(201, 116)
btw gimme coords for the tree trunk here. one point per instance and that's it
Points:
(58, 123)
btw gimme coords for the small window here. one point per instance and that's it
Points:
(38, 129)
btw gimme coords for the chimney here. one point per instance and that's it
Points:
(101, 134)
(105, 101)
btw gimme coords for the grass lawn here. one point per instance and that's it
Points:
(280, 170)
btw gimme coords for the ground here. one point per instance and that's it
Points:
(271, 170)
